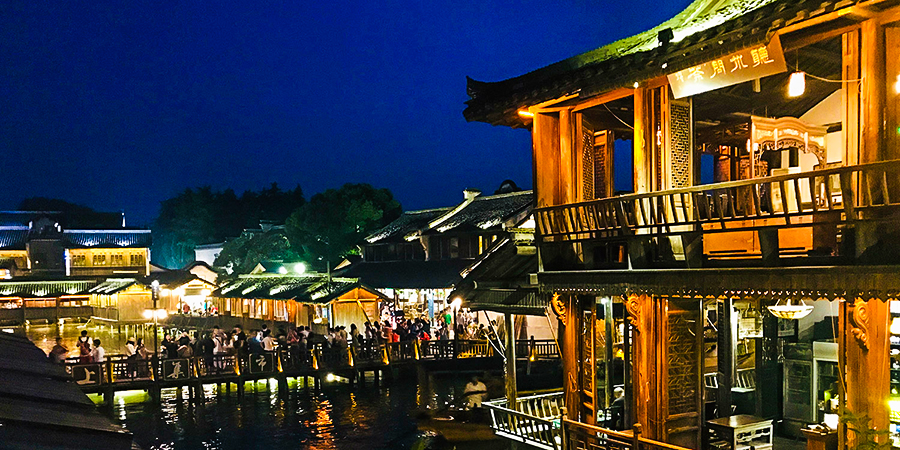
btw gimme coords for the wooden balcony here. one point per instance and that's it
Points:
(820, 201)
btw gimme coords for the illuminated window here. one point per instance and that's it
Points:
(137, 260)
(79, 260)
(99, 260)
(118, 260)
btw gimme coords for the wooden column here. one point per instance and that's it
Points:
(850, 97)
(643, 140)
(892, 103)
(725, 360)
(568, 331)
(545, 141)
(865, 361)
(872, 63)
(568, 150)
(511, 389)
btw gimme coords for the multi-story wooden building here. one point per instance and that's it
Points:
(765, 184)
(418, 258)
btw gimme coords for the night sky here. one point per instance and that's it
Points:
(122, 105)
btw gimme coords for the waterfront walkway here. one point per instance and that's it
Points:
(352, 363)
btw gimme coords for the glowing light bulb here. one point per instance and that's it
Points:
(525, 113)
(797, 84)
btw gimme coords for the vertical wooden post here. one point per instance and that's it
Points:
(850, 97)
(643, 138)
(568, 331)
(872, 62)
(511, 388)
(865, 359)
(725, 360)
(567, 157)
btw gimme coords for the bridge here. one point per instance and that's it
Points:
(118, 373)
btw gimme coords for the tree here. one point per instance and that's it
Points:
(242, 254)
(333, 223)
(73, 215)
(204, 216)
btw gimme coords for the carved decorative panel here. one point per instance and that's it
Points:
(587, 160)
(682, 362)
(680, 154)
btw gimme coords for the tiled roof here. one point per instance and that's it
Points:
(487, 212)
(303, 289)
(13, 237)
(407, 274)
(408, 222)
(704, 30)
(108, 238)
(112, 286)
(39, 289)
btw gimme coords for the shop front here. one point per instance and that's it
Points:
(733, 358)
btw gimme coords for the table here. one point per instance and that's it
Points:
(820, 440)
(739, 432)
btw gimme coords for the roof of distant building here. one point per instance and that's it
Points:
(13, 237)
(313, 288)
(124, 238)
(485, 213)
(408, 222)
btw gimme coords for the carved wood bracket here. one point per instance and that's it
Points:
(634, 312)
(559, 308)
(858, 315)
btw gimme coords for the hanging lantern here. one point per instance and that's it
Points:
(895, 325)
(797, 84)
(790, 309)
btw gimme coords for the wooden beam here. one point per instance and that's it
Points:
(606, 97)
(872, 62)
(643, 138)
(511, 387)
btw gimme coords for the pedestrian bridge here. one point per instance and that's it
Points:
(353, 362)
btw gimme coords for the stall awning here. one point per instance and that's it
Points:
(313, 289)
(500, 280)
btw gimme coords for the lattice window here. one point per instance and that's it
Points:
(680, 131)
(682, 361)
(600, 153)
(587, 161)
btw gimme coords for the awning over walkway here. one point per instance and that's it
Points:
(830, 282)
(313, 289)
(500, 281)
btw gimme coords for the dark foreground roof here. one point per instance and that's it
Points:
(42, 408)
(407, 274)
(500, 281)
(705, 30)
(488, 212)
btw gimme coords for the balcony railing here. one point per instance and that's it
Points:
(577, 435)
(827, 196)
(534, 420)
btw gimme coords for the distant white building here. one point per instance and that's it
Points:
(208, 252)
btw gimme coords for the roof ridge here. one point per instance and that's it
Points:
(505, 194)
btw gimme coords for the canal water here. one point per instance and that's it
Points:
(338, 416)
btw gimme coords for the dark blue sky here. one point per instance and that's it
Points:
(122, 105)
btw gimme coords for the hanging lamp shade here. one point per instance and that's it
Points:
(790, 309)
(895, 325)
(797, 84)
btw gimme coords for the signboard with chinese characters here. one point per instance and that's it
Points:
(262, 362)
(86, 374)
(744, 65)
(175, 369)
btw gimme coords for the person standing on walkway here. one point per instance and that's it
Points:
(98, 354)
(84, 347)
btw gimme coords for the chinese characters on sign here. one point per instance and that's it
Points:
(744, 65)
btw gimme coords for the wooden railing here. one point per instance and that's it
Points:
(581, 436)
(534, 420)
(117, 369)
(841, 194)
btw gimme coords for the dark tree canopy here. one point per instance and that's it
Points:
(333, 223)
(242, 254)
(204, 216)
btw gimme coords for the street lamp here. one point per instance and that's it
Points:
(154, 289)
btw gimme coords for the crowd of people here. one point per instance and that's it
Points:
(297, 338)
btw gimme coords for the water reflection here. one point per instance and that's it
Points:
(337, 417)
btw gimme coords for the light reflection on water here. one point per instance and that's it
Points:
(337, 417)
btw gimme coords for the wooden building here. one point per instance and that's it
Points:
(417, 259)
(765, 140)
(315, 300)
